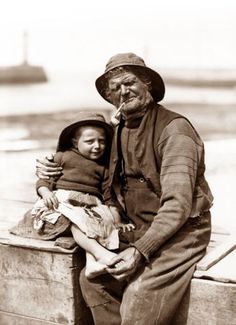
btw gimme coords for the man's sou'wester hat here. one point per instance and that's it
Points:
(83, 118)
(137, 64)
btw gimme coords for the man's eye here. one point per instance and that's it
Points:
(114, 88)
(129, 83)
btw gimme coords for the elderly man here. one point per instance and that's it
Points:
(157, 180)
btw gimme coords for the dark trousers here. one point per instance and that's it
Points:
(154, 294)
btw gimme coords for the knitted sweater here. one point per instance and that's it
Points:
(79, 174)
(170, 155)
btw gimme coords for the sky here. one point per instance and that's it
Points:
(72, 35)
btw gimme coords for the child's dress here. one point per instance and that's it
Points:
(83, 209)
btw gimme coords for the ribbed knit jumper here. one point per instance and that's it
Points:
(79, 174)
(170, 155)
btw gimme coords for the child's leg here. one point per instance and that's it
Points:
(97, 256)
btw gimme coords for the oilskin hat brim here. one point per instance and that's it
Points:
(136, 63)
(82, 119)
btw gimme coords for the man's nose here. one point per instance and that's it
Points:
(124, 90)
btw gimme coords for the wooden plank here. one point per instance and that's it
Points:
(33, 283)
(222, 271)
(14, 319)
(43, 245)
(219, 230)
(41, 285)
(215, 255)
(208, 302)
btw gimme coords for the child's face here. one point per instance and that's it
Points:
(90, 141)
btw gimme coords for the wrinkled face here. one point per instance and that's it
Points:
(127, 88)
(90, 141)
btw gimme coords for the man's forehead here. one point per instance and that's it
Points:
(120, 76)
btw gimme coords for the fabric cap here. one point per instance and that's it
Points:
(137, 64)
(83, 118)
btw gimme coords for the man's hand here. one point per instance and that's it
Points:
(46, 168)
(125, 263)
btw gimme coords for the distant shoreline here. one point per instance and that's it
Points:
(40, 131)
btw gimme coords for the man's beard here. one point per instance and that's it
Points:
(136, 108)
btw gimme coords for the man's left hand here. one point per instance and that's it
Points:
(125, 263)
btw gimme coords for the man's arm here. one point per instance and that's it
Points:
(49, 181)
(180, 157)
(47, 167)
(180, 152)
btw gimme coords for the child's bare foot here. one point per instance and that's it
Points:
(106, 258)
(94, 269)
(98, 267)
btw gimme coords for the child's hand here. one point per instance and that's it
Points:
(50, 200)
(125, 226)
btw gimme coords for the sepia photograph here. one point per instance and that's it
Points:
(117, 162)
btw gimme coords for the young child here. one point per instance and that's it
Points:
(73, 201)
